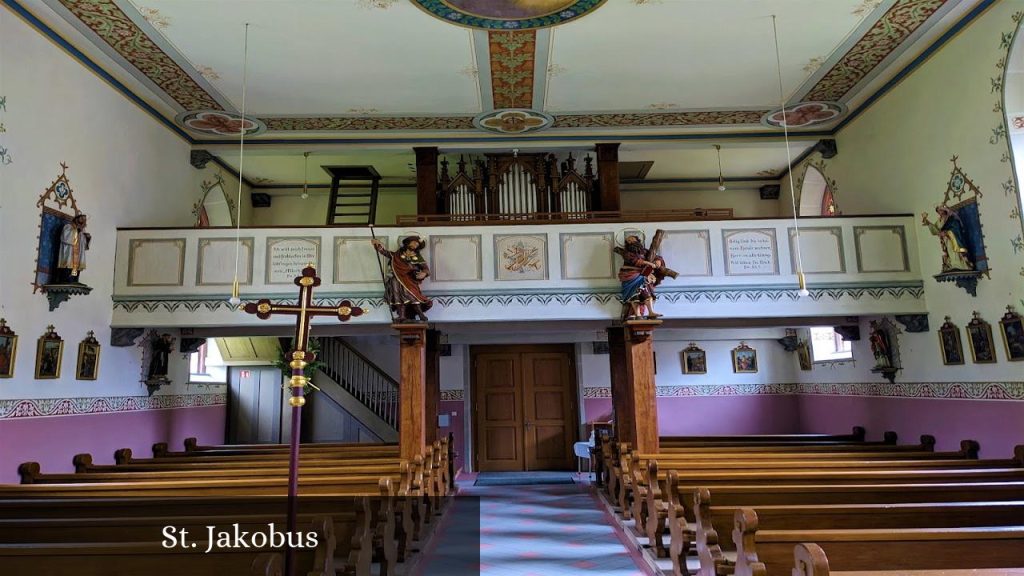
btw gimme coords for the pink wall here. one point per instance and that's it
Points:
(53, 441)
(756, 414)
(997, 425)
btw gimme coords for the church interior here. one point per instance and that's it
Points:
(403, 287)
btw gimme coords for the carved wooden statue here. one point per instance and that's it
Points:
(643, 269)
(402, 287)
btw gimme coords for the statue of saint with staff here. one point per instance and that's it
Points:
(402, 287)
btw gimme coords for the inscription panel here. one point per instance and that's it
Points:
(587, 256)
(286, 257)
(750, 252)
(455, 259)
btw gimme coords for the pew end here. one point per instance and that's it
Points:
(191, 444)
(928, 443)
(859, 433)
(1018, 454)
(744, 535)
(123, 456)
(82, 463)
(890, 437)
(160, 449)
(29, 471)
(970, 449)
(809, 560)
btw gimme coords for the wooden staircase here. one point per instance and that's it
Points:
(353, 200)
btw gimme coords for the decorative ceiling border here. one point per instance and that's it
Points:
(883, 38)
(124, 36)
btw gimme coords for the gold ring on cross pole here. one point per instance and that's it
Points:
(299, 381)
(297, 401)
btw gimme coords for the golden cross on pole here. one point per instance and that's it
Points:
(304, 312)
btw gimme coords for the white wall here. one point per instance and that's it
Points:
(126, 169)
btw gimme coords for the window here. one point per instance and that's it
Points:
(206, 365)
(816, 197)
(827, 346)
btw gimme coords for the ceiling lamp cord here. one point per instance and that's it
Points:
(801, 279)
(721, 180)
(236, 299)
(305, 176)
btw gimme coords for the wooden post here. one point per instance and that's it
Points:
(622, 402)
(412, 390)
(426, 180)
(608, 176)
(432, 384)
(640, 383)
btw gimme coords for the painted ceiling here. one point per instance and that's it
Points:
(362, 81)
(427, 67)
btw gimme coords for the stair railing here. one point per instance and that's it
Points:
(361, 378)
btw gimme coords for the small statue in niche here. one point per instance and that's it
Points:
(74, 241)
(952, 237)
(161, 349)
(402, 288)
(880, 347)
(642, 270)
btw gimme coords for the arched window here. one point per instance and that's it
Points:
(1013, 106)
(816, 198)
(215, 208)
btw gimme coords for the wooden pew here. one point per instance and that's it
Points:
(858, 434)
(383, 512)
(715, 521)
(104, 558)
(620, 457)
(811, 560)
(682, 511)
(633, 488)
(650, 490)
(142, 520)
(192, 445)
(770, 552)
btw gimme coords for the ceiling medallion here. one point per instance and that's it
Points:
(220, 123)
(804, 114)
(508, 15)
(513, 121)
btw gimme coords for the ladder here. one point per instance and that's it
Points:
(353, 195)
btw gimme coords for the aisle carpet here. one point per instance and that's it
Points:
(558, 530)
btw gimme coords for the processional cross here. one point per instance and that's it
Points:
(304, 312)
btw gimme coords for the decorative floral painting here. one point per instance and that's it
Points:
(521, 257)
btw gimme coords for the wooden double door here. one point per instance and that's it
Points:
(525, 415)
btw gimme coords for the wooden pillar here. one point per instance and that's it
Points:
(432, 384)
(412, 390)
(640, 383)
(426, 179)
(621, 401)
(608, 176)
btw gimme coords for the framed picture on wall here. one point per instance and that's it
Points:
(695, 360)
(48, 355)
(744, 359)
(979, 335)
(1012, 327)
(88, 365)
(8, 350)
(950, 345)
